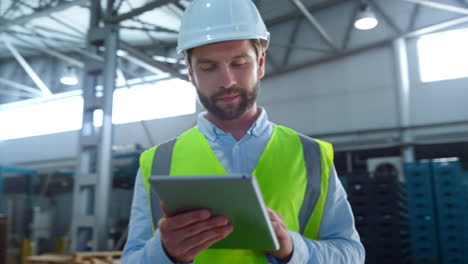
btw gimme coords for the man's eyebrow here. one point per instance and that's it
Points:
(243, 55)
(205, 60)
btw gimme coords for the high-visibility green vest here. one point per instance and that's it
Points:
(292, 174)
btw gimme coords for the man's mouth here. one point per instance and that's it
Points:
(229, 98)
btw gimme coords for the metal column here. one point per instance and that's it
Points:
(94, 174)
(403, 95)
(105, 147)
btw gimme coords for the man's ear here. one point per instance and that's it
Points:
(261, 65)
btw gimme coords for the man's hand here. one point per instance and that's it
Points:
(185, 235)
(286, 244)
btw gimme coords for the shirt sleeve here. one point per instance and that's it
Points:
(338, 242)
(142, 246)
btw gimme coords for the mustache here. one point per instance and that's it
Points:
(224, 92)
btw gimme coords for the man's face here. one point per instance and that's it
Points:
(227, 76)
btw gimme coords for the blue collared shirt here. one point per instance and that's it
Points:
(339, 241)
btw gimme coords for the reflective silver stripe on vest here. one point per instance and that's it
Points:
(161, 167)
(313, 163)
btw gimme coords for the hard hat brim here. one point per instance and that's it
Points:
(210, 40)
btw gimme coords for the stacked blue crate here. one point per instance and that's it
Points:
(422, 216)
(450, 210)
(379, 208)
(465, 221)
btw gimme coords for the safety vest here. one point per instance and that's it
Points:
(292, 174)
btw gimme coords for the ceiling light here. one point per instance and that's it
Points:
(70, 77)
(365, 19)
(121, 53)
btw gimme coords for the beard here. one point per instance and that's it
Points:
(229, 111)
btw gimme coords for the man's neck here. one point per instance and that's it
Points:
(237, 127)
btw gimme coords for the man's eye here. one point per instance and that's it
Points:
(239, 63)
(207, 68)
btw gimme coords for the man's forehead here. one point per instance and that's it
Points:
(225, 49)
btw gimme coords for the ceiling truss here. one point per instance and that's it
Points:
(73, 39)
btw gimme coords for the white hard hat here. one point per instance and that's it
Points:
(210, 21)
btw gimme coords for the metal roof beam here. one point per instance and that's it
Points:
(383, 43)
(137, 11)
(29, 70)
(8, 10)
(32, 91)
(414, 17)
(16, 93)
(350, 27)
(315, 23)
(436, 27)
(311, 8)
(25, 19)
(463, 3)
(446, 7)
(149, 63)
(53, 53)
(72, 28)
(330, 58)
(385, 17)
(42, 37)
(44, 48)
(292, 40)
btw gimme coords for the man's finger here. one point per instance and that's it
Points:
(280, 216)
(192, 253)
(185, 219)
(164, 210)
(201, 239)
(202, 226)
(280, 230)
(276, 217)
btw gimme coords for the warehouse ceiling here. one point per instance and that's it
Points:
(58, 28)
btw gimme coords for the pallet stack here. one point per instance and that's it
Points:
(49, 259)
(379, 208)
(422, 215)
(450, 205)
(110, 257)
(465, 191)
(3, 238)
(438, 212)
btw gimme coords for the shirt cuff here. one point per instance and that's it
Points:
(300, 252)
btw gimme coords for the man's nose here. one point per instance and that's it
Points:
(227, 78)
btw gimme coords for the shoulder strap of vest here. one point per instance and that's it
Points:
(145, 165)
(156, 161)
(311, 150)
(326, 160)
(318, 157)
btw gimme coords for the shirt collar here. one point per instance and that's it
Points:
(211, 131)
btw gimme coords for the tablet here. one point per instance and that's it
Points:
(237, 197)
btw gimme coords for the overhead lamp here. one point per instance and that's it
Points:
(122, 53)
(365, 19)
(70, 77)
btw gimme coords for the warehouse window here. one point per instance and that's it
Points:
(141, 102)
(53, 116)
(443, 56)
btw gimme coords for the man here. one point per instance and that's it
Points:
(224, 43)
